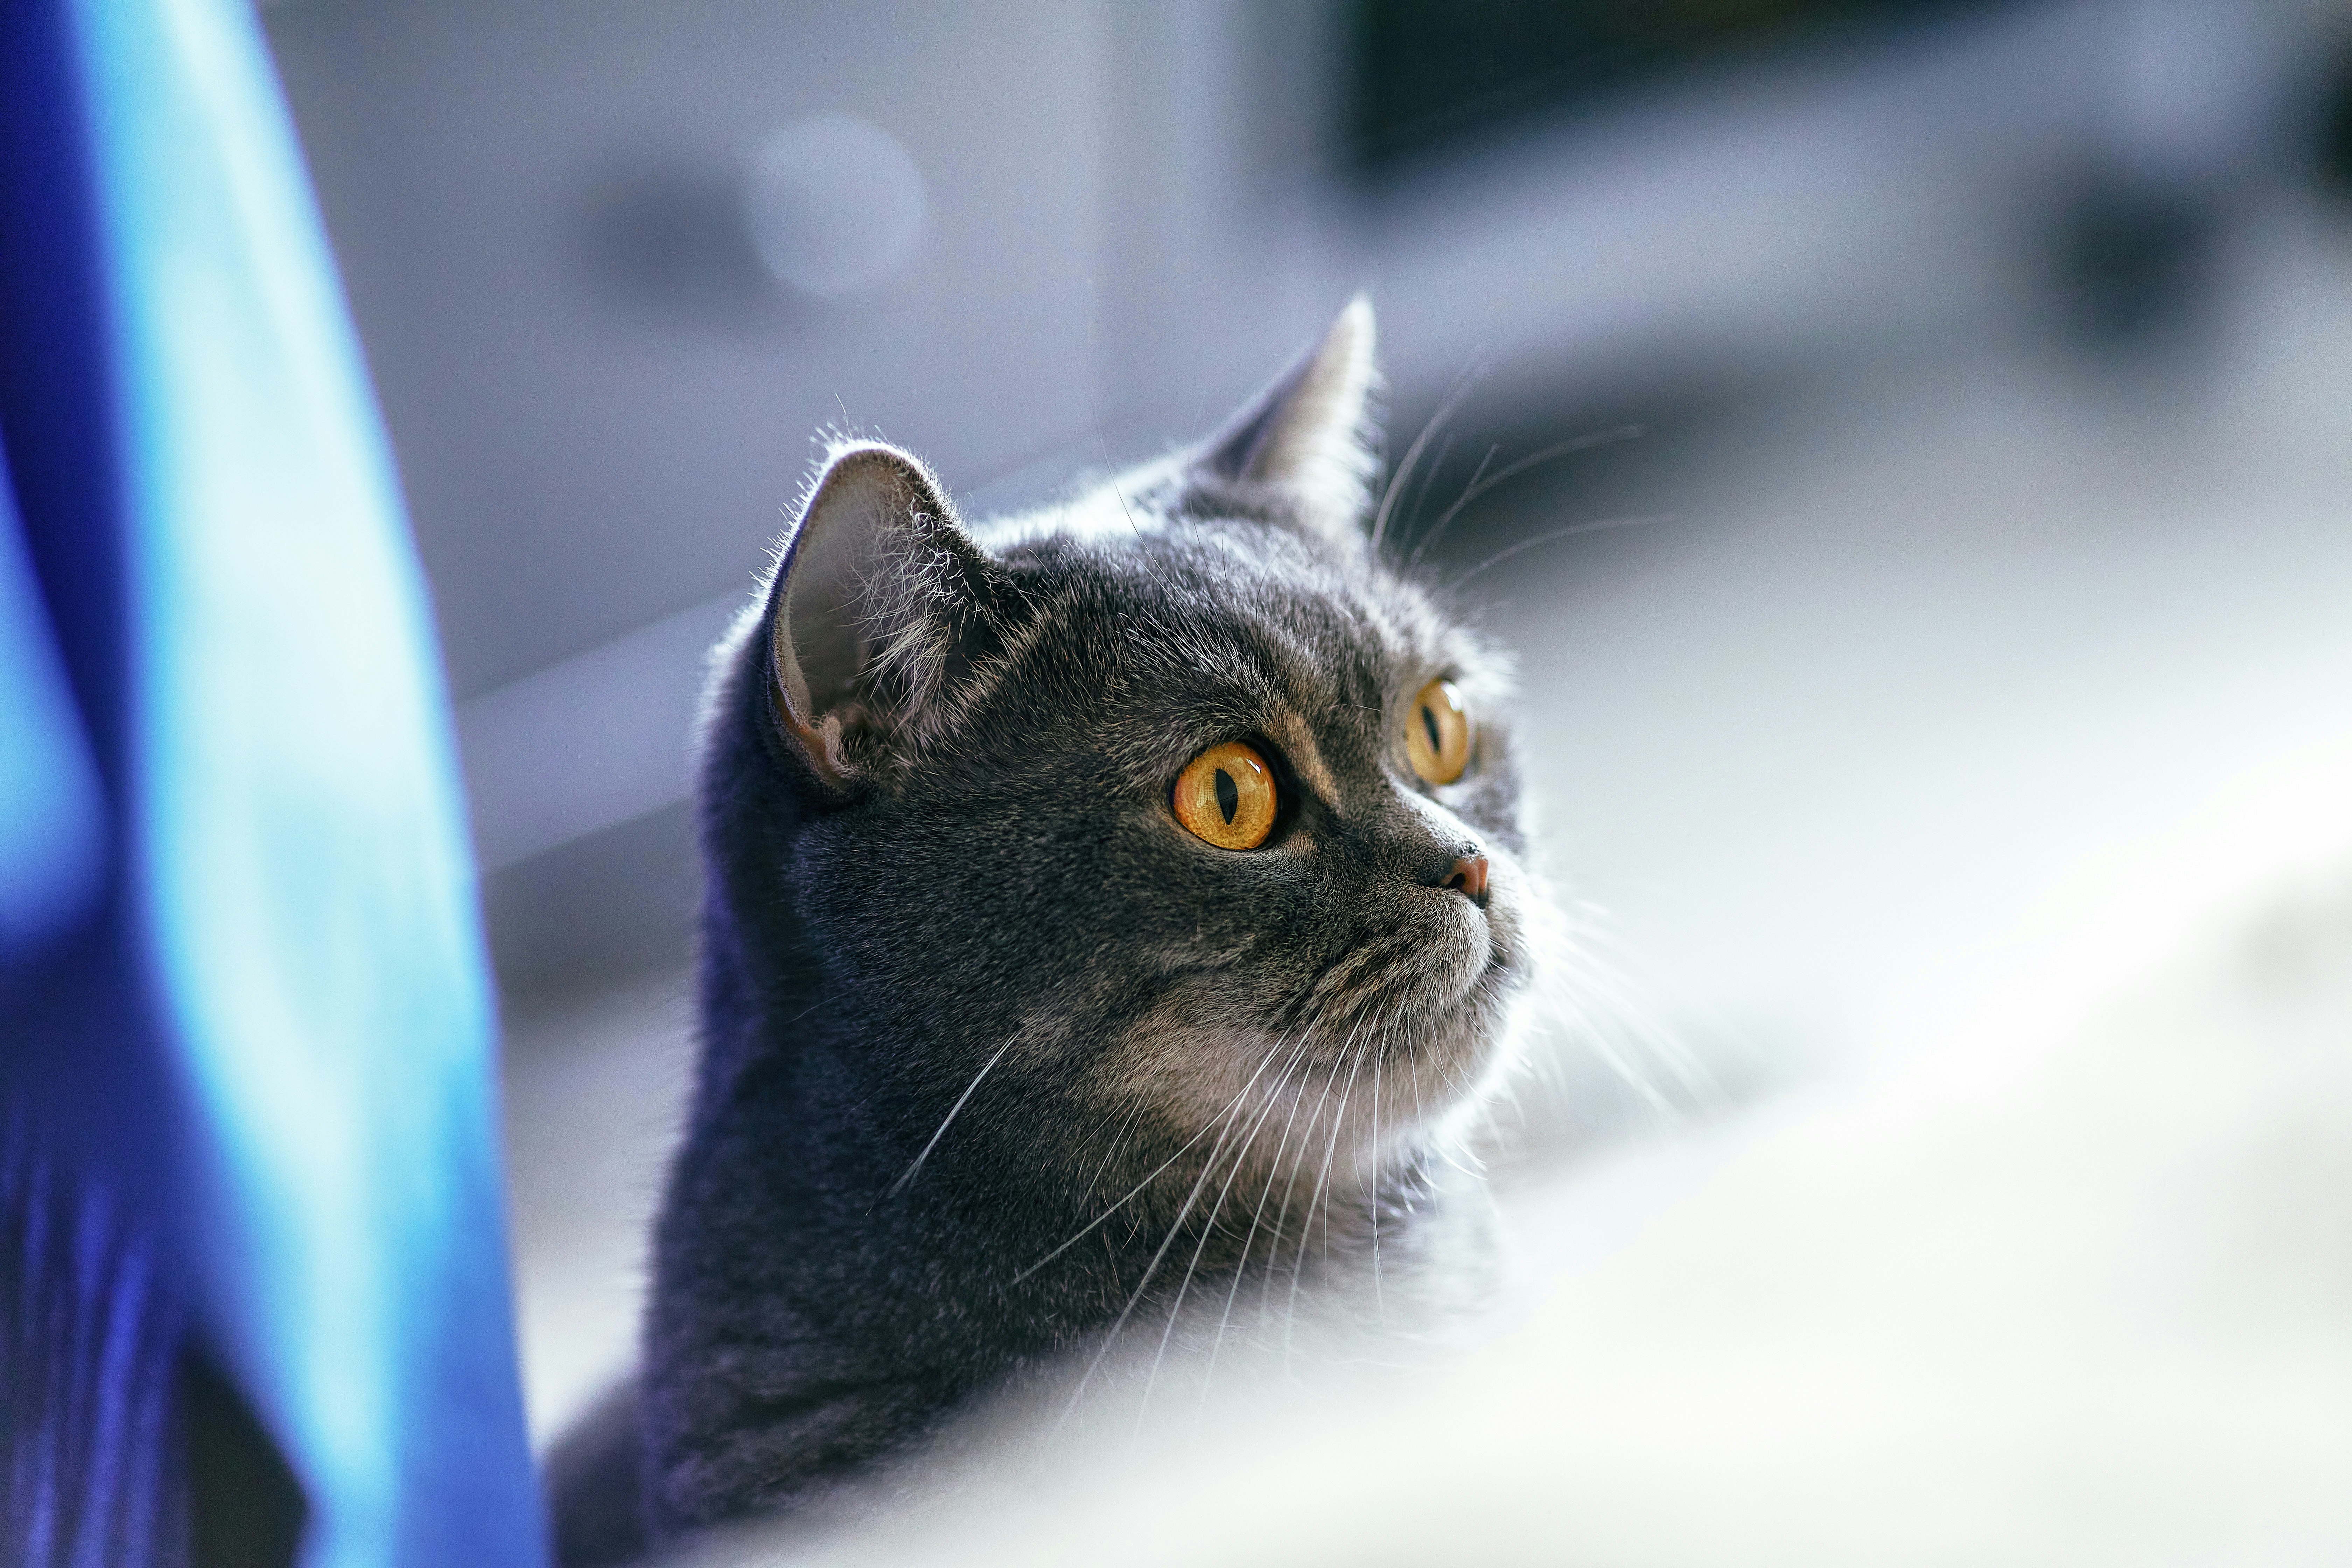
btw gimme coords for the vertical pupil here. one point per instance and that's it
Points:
(1229, 795)
(1429, 722)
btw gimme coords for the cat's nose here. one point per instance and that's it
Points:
(1469, 876)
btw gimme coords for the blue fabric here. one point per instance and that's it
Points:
(243, 969)
(91, 1340)
(51, 827)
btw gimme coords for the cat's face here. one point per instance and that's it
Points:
(1172, 806)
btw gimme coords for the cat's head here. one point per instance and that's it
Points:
(1173, 806)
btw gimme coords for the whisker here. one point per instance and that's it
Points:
(1249, 1240)
(1104, 448)
(1126, 1131)
(1330, 1155)
(909, 1175)
(1241, 1156)
(1110, 1337)
(1380, 1050)
(1155, 1175)
(1428, 477)
(1281, 1218)
(1558, 533)
(1470, 492)
(1462, 386)
(1513, 469)
(1307, 1237)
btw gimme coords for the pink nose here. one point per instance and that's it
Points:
(1469, 876)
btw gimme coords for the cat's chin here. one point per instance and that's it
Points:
(1459, 1043)
(1452, 972)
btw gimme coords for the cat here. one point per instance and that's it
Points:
(1120, 900)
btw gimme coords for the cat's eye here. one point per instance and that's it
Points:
(1437, 733)
(1227, 796)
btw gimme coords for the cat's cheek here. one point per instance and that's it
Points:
(1181, 1061)
(1488, 801)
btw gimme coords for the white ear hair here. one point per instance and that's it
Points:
(1311, 436)
(871, 586)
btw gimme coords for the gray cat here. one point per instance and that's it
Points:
(1107, 903)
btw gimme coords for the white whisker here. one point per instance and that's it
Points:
(1477, 488)
(1462, 386)
(909, 1175)
(1155, 1175)
(1307, 1235)
(1241, 1268)
(1240, 1155)
(1110, 1336)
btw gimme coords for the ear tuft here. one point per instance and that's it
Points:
(877, 584)
(1311, 436)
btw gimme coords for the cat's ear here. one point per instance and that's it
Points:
(1311, 438)
(878, 590)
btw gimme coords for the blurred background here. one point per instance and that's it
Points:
(1989, 360)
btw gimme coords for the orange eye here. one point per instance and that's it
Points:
(1226, 797)
(1437, 733)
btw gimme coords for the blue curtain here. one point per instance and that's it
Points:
(251, 1225)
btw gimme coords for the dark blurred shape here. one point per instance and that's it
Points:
(597, 909)
(246, 1508)
(2333, 166)
(828, 205)
(593, 1483)
(1426, 75)
(666, 238)
(2135, 257)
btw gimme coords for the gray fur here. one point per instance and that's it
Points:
(966, 980)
